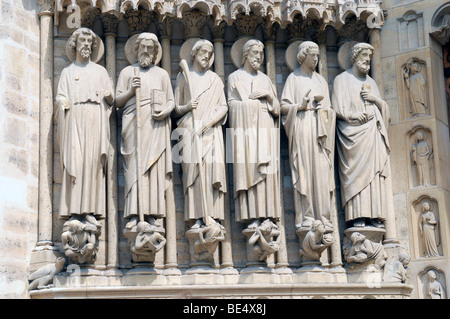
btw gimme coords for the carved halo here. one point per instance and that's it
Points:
(185, 51)
(236, 50)
(130, 52)
(96, 53)
(291, 55)
(345, 55)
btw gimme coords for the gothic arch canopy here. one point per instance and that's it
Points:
(282, 12)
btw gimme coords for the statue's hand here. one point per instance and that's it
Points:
(369, 96)
(135, 83)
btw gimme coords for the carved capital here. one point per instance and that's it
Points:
(194, 21)
(139, 20)
(110, 23)
(46, 7)
(218, 31)
(246, 24)
(165, 27)
(89, 17)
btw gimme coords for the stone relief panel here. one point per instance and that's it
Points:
(426, 227)
(432, 284)
(415, 88)
(421, 158)
(410, 31)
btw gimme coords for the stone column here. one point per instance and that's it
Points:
(110, 25)
(270, 33)
(45, 252)
(323, 65)
(376, 67)
(45, 126)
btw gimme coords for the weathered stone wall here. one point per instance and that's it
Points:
(19, 142)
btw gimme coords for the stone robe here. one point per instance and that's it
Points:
(155, 146)
(83, 135)
(208, 89)
(363, 150)
(311, 135)
(255, 143)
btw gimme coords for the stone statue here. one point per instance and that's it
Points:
(434, 287)
(149, 241)
(79, 241)
(395, 268)
(83, 101)
(310, 123)
(362, 142)
(144, 91)
(254, 109)
(421, 154)
(43, 277)
(201, 105)
(315, 242)
(363, 251)
(265, 239)
(417, 87)
(205, 241)
(427, 226)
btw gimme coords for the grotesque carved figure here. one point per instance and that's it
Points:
(149, 241)
(315, 242)
(363, 251)
(79, 241)
(43, 277)
(265, 239)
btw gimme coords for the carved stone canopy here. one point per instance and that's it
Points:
(283, 12)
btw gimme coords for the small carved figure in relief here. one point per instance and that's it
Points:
(434, 287)
(149, 241)
(144, 91)
(395, 269)
(362, 142)
(315, 241)
(253, 116)
(421, 155)
(310, 122)
(364, 251)
(83, 101)
(79, 241)
(201, 108)
(265, 239)
(43, 277)
(427, 226)
(417, 87)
